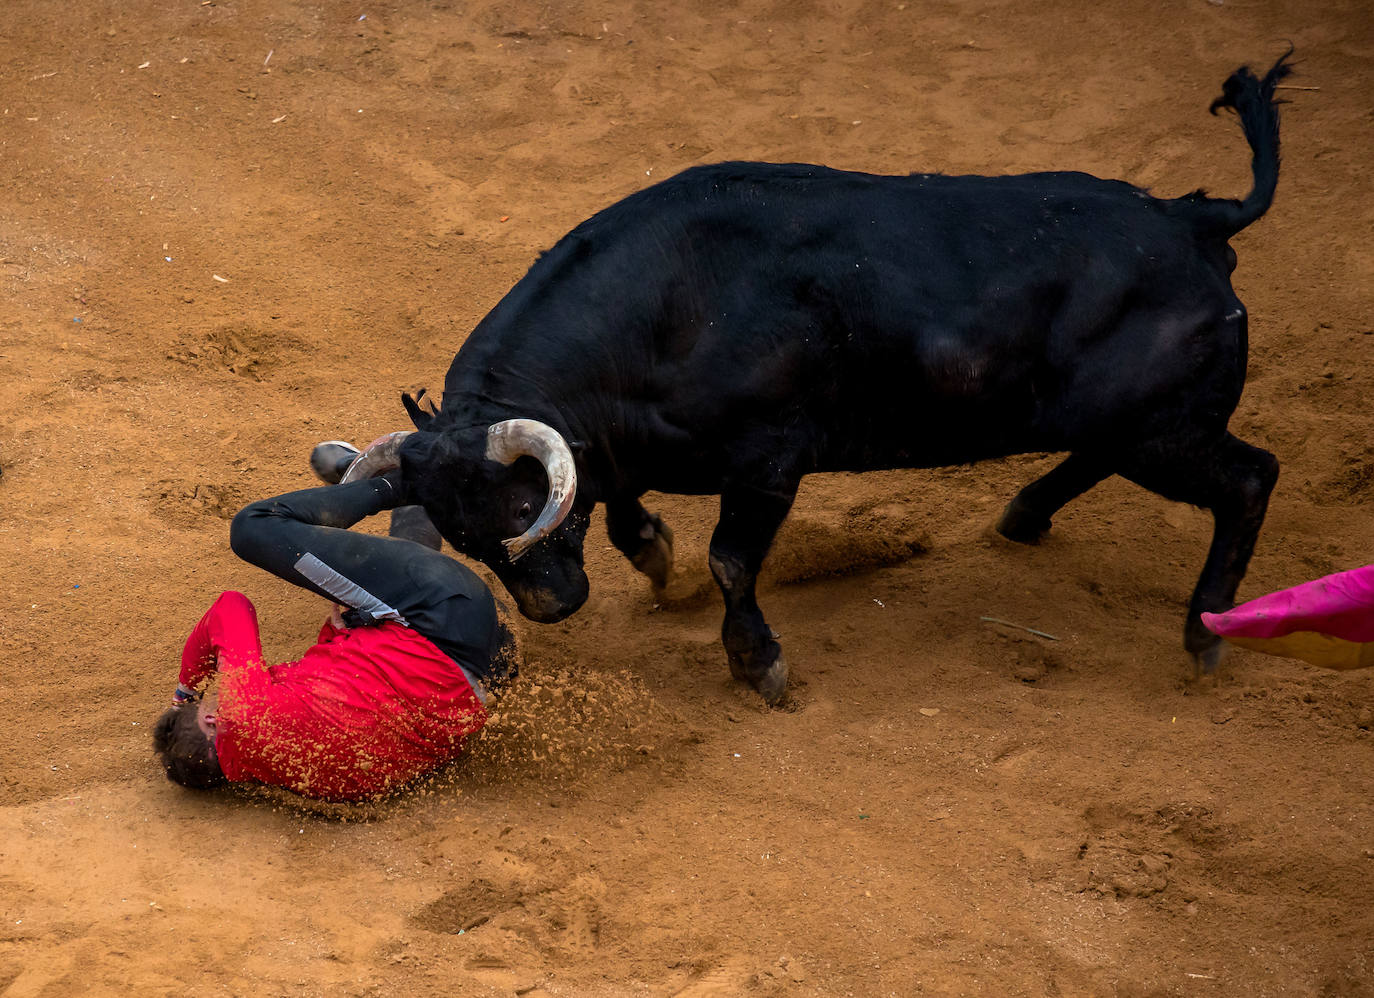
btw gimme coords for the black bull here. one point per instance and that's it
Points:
(739, 326)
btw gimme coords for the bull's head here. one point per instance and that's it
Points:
(503, 494)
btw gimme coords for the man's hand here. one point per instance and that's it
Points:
(182, 696)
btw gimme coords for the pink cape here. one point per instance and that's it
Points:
(1328, 621)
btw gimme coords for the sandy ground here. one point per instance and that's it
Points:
(947, 806)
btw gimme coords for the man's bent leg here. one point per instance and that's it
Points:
(287, 533)
(300, 537)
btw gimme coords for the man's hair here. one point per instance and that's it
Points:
(185, 753)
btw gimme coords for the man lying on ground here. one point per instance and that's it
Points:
(399, 674)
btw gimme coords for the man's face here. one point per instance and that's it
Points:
(205, 716)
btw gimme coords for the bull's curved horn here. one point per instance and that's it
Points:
(514, 438)
(377, 458)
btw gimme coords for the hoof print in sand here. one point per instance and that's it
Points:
(1029, 659)
(187, 504)
(1133, 854)
(246, 351)
(520, 922)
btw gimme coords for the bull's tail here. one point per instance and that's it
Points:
(1253, 101)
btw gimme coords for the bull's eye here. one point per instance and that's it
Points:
(525, 510)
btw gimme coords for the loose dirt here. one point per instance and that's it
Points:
(230, 229)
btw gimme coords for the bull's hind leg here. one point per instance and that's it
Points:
(1027, 517)
(749, 519)
(1233, 480)
(642, 537)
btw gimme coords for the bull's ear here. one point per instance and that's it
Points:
(420, 417)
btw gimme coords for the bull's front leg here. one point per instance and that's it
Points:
(749, 519)
(642, 537)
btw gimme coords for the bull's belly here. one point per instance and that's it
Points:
(706, 477)
(923, 437)
(771, 456)
(862, 458)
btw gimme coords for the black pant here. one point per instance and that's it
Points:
(303, 537)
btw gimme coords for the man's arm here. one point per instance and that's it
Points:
(228, 633)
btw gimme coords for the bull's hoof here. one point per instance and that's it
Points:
(1205, 648)
(655, 557)
(1205, 663)
(772, 684)
(770, 680)
(1022, 524)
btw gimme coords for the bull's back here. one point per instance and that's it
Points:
(884, 321)
(919, 320)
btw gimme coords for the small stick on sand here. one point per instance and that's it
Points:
(1020, 627)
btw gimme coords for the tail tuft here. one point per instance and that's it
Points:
(1253, 101)
(1242, 84)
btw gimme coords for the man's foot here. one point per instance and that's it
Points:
(330, 459)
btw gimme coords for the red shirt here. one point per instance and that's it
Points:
(364, 710)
